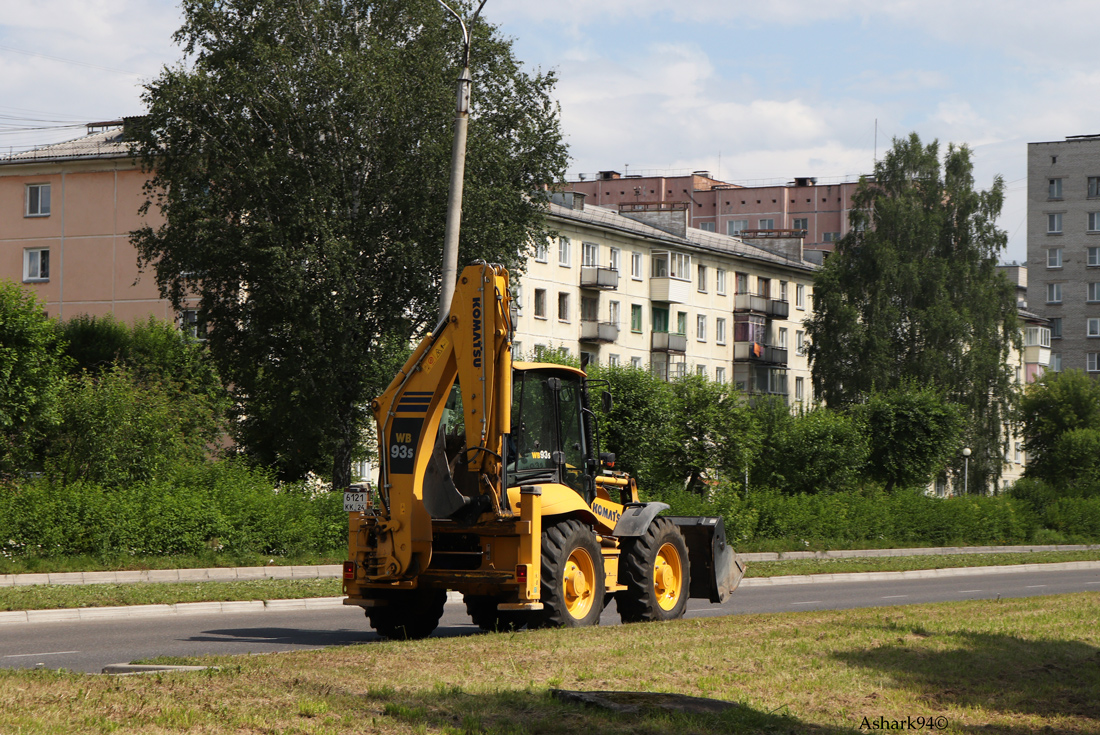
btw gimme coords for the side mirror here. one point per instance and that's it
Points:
(606, 401)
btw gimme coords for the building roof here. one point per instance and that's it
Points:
(695, 239)
(107, 143)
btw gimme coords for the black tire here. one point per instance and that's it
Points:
(409, 614)
(482, 609)
(646, 597)
(569, 549)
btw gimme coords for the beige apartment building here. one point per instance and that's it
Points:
(639, 287)
(66, 212)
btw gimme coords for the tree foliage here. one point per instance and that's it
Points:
(913, 293)
(1061, 423)
(300, 167)
(30, 375)
(913, 433)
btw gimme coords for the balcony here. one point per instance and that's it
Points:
(759, 353)
(600, 332)
(599, 277)
(761, 305)
(670, 342)
(1037, 355)
(670, 290)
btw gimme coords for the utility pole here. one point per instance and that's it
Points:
(458, 169)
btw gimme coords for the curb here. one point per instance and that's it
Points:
(930, 551)
(216, 574)
(915, 574)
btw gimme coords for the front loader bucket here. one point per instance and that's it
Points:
(715, 569)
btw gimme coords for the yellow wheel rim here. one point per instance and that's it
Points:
(668, 577)
(579, 583)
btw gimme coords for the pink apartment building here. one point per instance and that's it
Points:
(66, 212)
(821, 210)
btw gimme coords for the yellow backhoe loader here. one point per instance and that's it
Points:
(491, 484)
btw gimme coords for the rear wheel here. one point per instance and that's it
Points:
(572, 576)
(408, 614)
(654, 567)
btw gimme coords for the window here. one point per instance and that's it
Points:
(701, 327)
(800, 342)
(1054, 257)
(782, 290)
(1094, 256)
(636, 266)
(660, 319)
(735, 226)
(36, 264)
(701, 370)
(636, 362)
(614, 259)
(1093, 326)
(636, 318)
(658, 265)
(781, 342)
(1092, 364)
(613, 360)
(1054, 223)
(798, 388)
(800, 296)
(590, 309)
(540, 303)
(1056, 327)
(191, 325)
(766, 223)
(541, 252)
(720, 330)
(38, 200)
(800, 223)
(563, 307)
(680, 266)
(764, 287)
(1056, 362)
(720, 375)
(702, 279)
(1054, 293)
(720, 281)
(1018, 375)
(564, 257)
(613, 312)
(1094, 292)
(1094, 186)
(1018, 453)
(706, 226)
(1054, 188)
(742, 283)
(590, 253)
(830, 236)
(681, 322)
(1094, 221)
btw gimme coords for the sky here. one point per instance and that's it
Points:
(755, 93)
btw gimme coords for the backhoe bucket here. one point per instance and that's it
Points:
(715, 569)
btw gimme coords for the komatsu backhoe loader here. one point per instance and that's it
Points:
(491, 484)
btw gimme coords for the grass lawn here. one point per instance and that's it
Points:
(47, 597)
(1010, 666)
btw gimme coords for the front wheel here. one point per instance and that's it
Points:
(654, 567)
(572, 576)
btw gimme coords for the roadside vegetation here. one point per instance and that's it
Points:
(1006, 666)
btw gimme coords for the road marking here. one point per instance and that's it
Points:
(27, 655)
(810, 602)
(893, 597)
(966, 592)
(1035, 586)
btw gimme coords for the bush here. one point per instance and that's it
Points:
(820, 450)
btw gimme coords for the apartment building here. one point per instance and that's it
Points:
(1063, 247)
(817, 210)
(66, 212)
(640, 288)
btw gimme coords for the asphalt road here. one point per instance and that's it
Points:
(91, 645)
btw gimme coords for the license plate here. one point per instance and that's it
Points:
(355, 502)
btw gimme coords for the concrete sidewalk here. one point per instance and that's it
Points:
(330, 571)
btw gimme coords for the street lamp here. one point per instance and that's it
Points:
(966, 470)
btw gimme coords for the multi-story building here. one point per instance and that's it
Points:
(818, 210)
(639, 287)
(1063, 247)
(66, 212)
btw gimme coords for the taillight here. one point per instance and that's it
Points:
(521, 573)
(349, 570)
